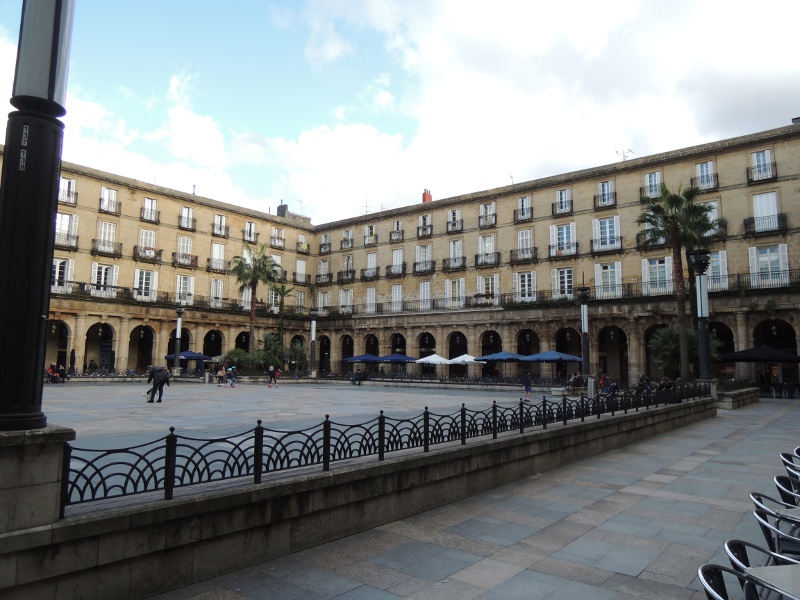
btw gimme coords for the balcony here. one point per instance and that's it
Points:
(762, 173)
(485, 221)
(425, 231)
(146, 254)
(705, 182)
(277, 242)
(395, 236)
(218, 265)
(370, 273)
(765, 225)
(563, 249)
(524, 255)
(187, 223)
(642, 238)
(603, 201)
(107, 248)
(67, 197)
(303, 248)
(649, 192)
(219, 230)
(65, 241)
(454, 263)
(179, 259)
(346, 276)
(455, 226)
(487, 259)
(346, 244)
(562, 208)
(606, 244)
(148, 215)
(110, 207)
(522, 215)
(301, 278)
(719, 230)
(371, 240)
(424, 267)
(251, 237)
(324, 279)
(325, 248)
(280, 275)
(396, 270)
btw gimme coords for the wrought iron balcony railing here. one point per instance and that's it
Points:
(762, 173)
(487, 220)
(370, 273)
(107, 248)
(218, 265)
(563, 249)
(649, 192)
(187, 223)
(705, 182)
(110, 207)
(523, 214)
(218, 230)
(602, 201)
(301, 278)
(424, 267)
(303, 248)
(396, 270)
(146, 254)
(67, 197)
(277, 242)
(325, 248)
(454, 263)
(455, 226)
(346, 276)
(424, 231)
(251, 237)
(562, 208)
(487, 259)
(777, 223)
(180, 259)
(643, 237)
(395, 236)
(346, 244)
(324, 279)
(606, 244)
(150, 216)
(524, 255)
(65, 241)
(371, 240)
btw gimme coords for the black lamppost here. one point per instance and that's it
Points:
(700, 259)
(313, 342)
(583, 295)
(28, 199)
(176, 365)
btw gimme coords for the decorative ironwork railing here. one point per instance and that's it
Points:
(177, 461)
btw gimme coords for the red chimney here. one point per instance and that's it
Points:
(426, 196)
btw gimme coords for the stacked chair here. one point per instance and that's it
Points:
(779, 521)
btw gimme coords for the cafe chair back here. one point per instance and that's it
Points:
(712, 577)
(746, 554)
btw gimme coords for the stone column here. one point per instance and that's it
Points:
(743, 370)
(122, 345)
(636, 354)
(80, 342)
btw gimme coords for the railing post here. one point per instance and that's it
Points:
(583, 407)
(381, 436)
(544, 411)
(326, 444)
(258, 452)
(426, 430)
(66, 458)
(494, 419)
(169, 463)
(564, 410)
(463, 425)
(521, 416)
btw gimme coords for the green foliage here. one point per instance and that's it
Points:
(297, 354)
(664, 347)
(272, 349)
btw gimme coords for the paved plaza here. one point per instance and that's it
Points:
(632, 523)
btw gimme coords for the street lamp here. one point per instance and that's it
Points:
(28, 200)
(313, 313)
(700, 259)
(583, 295)
(176, 365)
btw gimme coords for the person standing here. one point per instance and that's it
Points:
(526, 383)
(159, 376)
(272, 376)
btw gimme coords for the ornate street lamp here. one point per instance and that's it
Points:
(28, 200)
(700, 259)
(176, 365)
(313, 313)
(583, 295)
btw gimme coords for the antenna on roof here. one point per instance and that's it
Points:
(512, 178)
(366, 207)
(624, 153)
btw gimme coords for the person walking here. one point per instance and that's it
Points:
(159, 376)
(272, 376)
(526, 384)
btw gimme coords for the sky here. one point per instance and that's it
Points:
(343, 107)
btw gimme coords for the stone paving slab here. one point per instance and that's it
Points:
(631, 523)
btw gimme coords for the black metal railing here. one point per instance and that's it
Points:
(645, 239)
(67, 197)
(395, 236)
(325, 248)
(454, 263)
(523, 214)
(370, 273)
(110, 207)
(218, 265)
(65, 241)
(346, 244)
(396, 270)
(760, 173)
(487, 259)
(605, 200)
(180, 259)
(187, 223)
(303, 248)
(371, 240)
(178, 461)
(563, 249)
(455, 226)
(606, 244)
(524, 255)
(301, 278)
(147, 254)
(562, 207)
(107, 248)
(324, 278)
(649, 192)
(346, 276)
(705, 182)
(277, 242)
(425, 266)
(149, 215)
(219, 230)
(777, 223)
(424, 231)
(250, 236)
(487, 220)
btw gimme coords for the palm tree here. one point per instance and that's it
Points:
(282, 292)
(250, 270)
(676, 218)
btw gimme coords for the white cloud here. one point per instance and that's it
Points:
(325, 44)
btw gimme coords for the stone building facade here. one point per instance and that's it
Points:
(477, 273)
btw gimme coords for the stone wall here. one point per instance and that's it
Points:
(142, 550)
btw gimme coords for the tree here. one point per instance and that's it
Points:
(282, 292)
(665, 349)
(250, 270)
(676, 218)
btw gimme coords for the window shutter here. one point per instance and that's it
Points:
(572, 238)
(447, 292)
(783, 258)
(752, 254)
(618, 276)
(645, 277)
(155, 281)
(554, 274)
(479, 285)
(93, 281)
(70, 270)
(723, 263)
(596, 230)
(553, 235)
(191, 285)
(516, 286)
(136, 291)
(617, 228)
(598, 276)
(668, 269)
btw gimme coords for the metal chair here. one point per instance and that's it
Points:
(778, 539)
(744, 554)
(792, 464)
(764, 502)
(713, 581)
(788, 488)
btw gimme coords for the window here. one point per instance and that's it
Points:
(217, 257)
(103, 280)
(454, 222)
(605, 234)
(712, 215)
(108, 200)
(347, 239)
(424, 257)
(325, 238)
(718, 271)
(487, 287)
(563, 202)
(562, 239)
(397, 298)
(145, 285)
(769, 266)
(608, 280)
(605, 193)
(300, 268)
(765, 211)
(300, 298)
(106, 236)
(562, 283)
(184, 245)
(657, 276)
(66, 191)
(66, 230)
(454, 293)
(249, 231)
(62, 276)
(705, 179)
(147, 243)
(487, 216)
(186, 220)
(347, 263)
(247, 295)
(524, 210)
(323, 267)
(371, 303)
(486, 253)
(652, 185)
(763, 167)
(424, 295)
(525, 286)
(396, 268)
(302, 243)
(247, 255)
(184, 289)
(278, 266)
(456, 254)
(397, 225)
(396, 234)
(277, 238)
(324, 299)
(372, 265)
(425, 228)
(150, 210)
(216, 295)
(370, 235)
(219, 225)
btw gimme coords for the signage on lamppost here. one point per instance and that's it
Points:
(313, 342)
(583, 295)
(176, 364)
(28, 200)
(700, 260)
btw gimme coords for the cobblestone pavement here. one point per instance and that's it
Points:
(632, 523)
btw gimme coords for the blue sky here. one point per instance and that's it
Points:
(342, 106)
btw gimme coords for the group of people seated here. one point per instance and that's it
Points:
(646, 385)
(56, 374)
